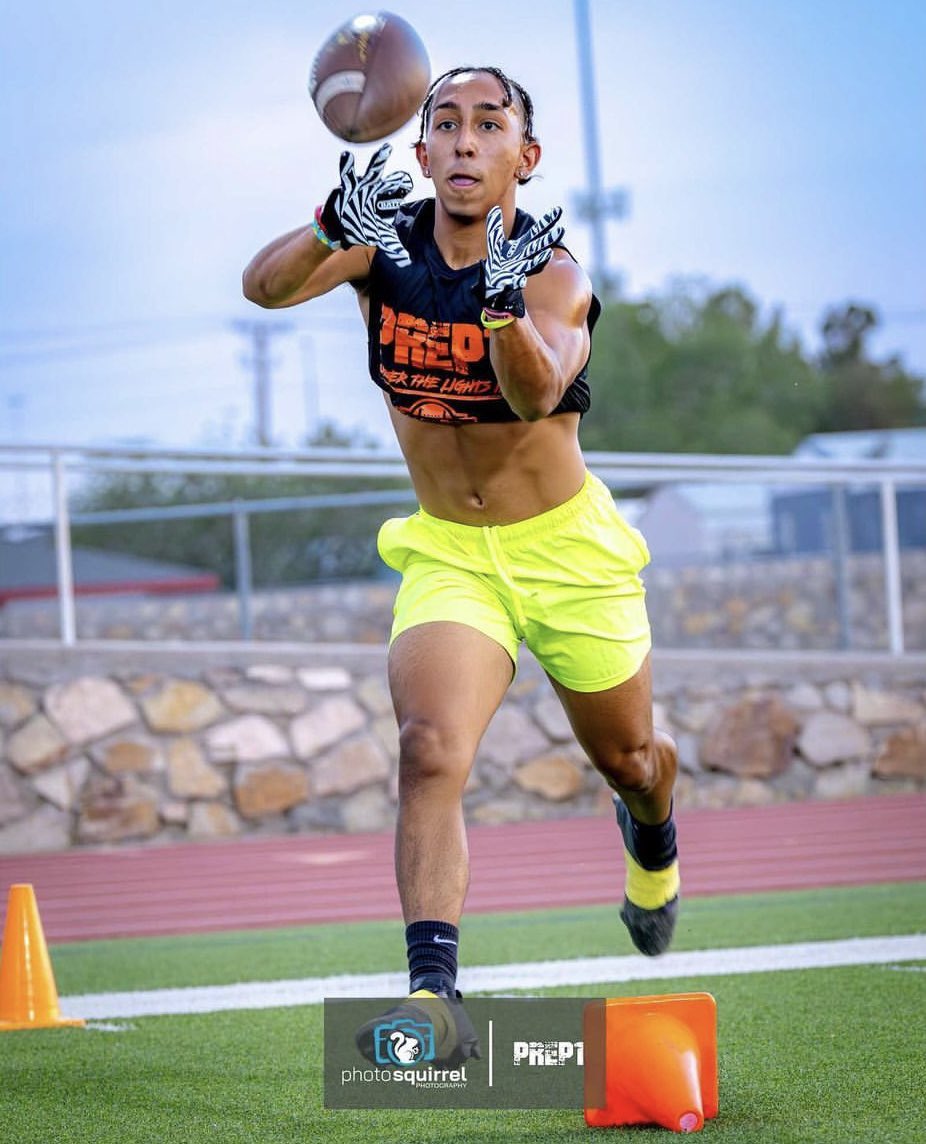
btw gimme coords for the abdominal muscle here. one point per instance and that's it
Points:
(496, 473)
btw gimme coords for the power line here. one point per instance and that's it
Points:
(51, 333)
(119, 337)
(39, 356)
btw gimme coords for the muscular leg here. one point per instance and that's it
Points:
(615, 727)
(447, 681)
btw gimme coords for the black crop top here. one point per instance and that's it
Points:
(427, 347)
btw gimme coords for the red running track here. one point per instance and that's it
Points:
(299, 879)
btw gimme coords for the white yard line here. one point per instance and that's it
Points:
(499, 978)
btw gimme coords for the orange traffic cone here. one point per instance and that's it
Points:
(651, 1060)
(28, 996)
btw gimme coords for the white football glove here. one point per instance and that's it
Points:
(361, 211)
(509, 261)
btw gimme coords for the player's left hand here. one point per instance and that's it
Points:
(509, 261)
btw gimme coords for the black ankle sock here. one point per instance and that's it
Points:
(432, 951)
(654, 847)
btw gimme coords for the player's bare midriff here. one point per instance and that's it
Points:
(492, 474)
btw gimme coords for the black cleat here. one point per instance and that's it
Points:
(650, 930)
(650, 925)
(455, 1039)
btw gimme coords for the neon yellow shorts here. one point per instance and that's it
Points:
(566, 583)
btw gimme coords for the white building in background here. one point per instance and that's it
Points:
(866, 445)
(817, 519)
(694, 521)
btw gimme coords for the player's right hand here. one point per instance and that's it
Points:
(361, 211)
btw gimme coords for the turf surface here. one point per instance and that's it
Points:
(487, 939)
(809, 1057)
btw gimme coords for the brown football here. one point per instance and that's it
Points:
(369, 77)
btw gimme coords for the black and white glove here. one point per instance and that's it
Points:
(361, 211)
(509, 261)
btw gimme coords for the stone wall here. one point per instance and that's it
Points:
(773, 604)
(784, 604)
(104, 744)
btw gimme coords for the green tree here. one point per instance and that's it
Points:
(698, 372)
(287, 546)
(860, 393)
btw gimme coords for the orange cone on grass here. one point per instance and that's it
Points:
(28, 995)
(651, 1060)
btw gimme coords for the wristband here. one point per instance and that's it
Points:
(329, 218)
(507, 301)
(320, 233)
(495, 319)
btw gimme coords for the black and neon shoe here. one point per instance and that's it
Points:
(651, 891)
(455, 1038)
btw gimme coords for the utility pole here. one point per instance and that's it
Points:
(260, 333)
(595, 205)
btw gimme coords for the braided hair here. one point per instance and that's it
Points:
(514, 94)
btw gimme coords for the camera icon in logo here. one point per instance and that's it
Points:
(404, 1042)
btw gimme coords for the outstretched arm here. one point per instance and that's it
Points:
(536, 305)
(338, 247)
(536, 358)
(298, 266)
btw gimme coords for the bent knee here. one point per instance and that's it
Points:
(639, 766)
(633, 769)
(429, 751)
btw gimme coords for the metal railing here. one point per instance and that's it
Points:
(618, 470)
(240, 512)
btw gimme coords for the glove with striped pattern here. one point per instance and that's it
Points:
(361, 211)
(509, 261)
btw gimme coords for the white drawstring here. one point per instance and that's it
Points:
(498, 562)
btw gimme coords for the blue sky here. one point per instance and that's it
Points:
(151, 149)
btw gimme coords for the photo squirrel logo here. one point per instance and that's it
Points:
(404, 1047)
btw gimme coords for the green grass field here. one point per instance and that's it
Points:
(806, 1056)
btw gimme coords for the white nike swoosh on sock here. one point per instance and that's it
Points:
(444, 940)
